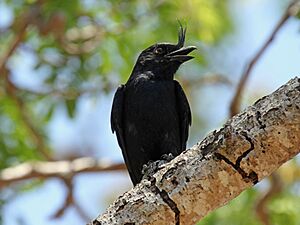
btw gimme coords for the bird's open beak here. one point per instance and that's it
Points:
(181, 55)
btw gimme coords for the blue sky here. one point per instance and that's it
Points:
(254, 20)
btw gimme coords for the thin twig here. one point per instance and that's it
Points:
(69, 199)
(81, 212)
(35, 134)
(70, 202)
(55, 169)
(13, 46)
(292, 10)
(23, 21)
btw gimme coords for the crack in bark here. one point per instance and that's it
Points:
(96, 222)
(166, 198)
(258, 118)
(252, 176)
(240, 158)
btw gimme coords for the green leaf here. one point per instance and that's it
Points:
(50, 112)
(71, 107)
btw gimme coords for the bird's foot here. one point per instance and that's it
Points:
(152, 167)
(167, 157)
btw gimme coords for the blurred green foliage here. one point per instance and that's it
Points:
(237, 212)
(283, 209)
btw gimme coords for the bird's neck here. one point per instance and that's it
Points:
(152, 73)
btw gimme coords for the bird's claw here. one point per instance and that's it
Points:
(152, 167)
(167, 157)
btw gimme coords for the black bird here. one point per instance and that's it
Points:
(150, 113)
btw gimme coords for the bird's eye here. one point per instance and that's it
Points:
(158, 51)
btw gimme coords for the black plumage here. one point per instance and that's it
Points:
(150, 113)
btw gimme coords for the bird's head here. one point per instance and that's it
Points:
(163, 59)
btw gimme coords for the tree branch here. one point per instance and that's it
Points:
(55, 169)
(292, 10)
(248, 148)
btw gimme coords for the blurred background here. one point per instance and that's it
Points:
(60, 63)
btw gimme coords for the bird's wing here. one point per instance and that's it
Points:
(116, 118)
(117, 125)
(184, 113)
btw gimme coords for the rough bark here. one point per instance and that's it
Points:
(249, 147)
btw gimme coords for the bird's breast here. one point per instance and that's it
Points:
(151, 102)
